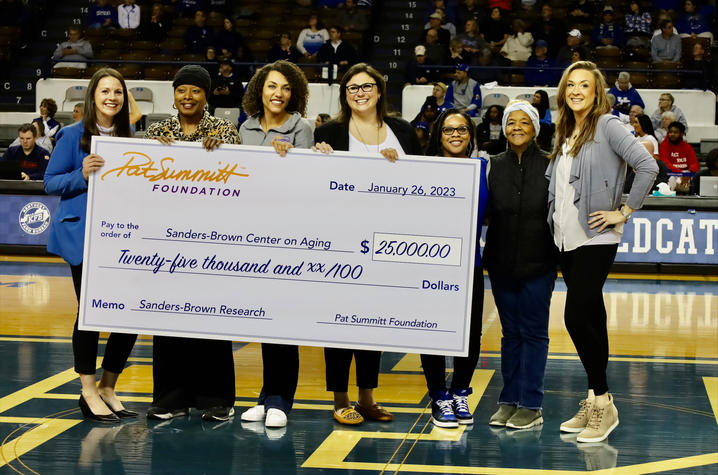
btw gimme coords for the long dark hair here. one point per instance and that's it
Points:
(543, 104)
(252, 102)
(435, 148)
(646, 124)
(566, 120)
(121, 120)
(345, 112)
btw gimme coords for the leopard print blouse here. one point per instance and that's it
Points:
(209, 126)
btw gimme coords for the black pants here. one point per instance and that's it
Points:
(585, 270)
(280, 373)
(464, 366)
(339, 360)
(84, 343)
(192, 372)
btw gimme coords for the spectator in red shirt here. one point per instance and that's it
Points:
(675, 152)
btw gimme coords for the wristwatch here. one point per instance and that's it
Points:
(624, 213)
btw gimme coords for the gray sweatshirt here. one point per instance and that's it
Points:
(599, 171)
(295, 130)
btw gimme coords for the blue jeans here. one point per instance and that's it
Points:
(523, 306)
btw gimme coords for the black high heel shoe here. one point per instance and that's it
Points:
(104, 418)
(122, 412)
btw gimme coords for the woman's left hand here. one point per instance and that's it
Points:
(605, 218)
(390, 154)
(210, 143)
(281, 146)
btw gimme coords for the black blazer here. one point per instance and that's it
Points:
(336, 134)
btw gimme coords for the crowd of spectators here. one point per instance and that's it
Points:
(536, 40)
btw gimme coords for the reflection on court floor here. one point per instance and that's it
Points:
(663, 375)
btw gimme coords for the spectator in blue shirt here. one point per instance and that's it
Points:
(101, 15)
(626, 95)
(31, 158)
(694, 21)
(538, 70)
(608, 33)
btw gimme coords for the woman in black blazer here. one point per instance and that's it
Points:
(363, 125)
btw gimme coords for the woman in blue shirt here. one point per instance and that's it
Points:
(107, 112)
(453, 135)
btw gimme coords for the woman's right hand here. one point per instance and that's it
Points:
(322, 147)
(90, 164)
(163, 139)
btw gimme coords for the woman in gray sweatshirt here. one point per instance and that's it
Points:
(276, 100)
(586, 177)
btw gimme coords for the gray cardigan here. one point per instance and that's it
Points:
(599, 171)
(295, 129)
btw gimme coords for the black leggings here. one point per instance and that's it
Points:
(84, 343)
(585, 270)
(464, 366)
(339, 360)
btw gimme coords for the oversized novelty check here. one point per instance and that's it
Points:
(339, 250)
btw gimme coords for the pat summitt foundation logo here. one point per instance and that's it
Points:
(34, 218)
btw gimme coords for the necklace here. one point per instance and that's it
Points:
(361, 138)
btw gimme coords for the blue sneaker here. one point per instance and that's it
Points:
(461, 405)
(442, 410)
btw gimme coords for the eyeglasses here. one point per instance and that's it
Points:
(366, 87)
(462, 130)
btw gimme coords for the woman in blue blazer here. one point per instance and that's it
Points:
(106, 113)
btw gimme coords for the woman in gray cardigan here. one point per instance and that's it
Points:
(276, 101)
(586, 176)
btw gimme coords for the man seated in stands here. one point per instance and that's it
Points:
(31, 158)
(77, 112)
(101, 15)
(538, 70)
(667, 45)
(199, 36)
(436, 52)
(283, 49)
(698, 62)
(608, 34)
(464, 92)
(352, 18)
(128, 15)
(227, 89)
(665, 104)
(626, 94)
(41, 140)
(417, 71)
(573, 43)
(677, 153)
(74, 52)
(435, 23)
(336, 51)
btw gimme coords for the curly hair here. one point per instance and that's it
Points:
(51, 106)
(435, 148)
(252, 102)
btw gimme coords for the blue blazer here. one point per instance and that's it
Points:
(63, 177)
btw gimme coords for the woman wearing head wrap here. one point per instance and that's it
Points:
(453, 136)
(192, 372)
(521, 260)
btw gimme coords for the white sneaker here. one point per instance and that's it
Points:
(254, 414)
(275, 418)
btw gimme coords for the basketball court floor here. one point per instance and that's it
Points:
(663, 374)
